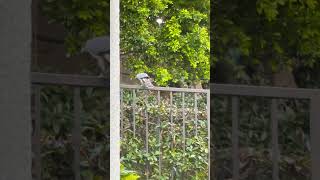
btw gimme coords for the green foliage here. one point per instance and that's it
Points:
(255, 139)
(266, 35)
(177, 52)
(176, 162)
(82, 19)
(259, 38)
(127, 175)
(56, 134)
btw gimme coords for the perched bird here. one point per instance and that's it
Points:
(99, 49)
(145, 80)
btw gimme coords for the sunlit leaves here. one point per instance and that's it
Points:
(127, 174)
(193, 163)
(180, 46)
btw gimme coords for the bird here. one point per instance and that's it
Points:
(144, 80)
(99, 49)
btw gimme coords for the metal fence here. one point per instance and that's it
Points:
(233, 91)
(167, 94)
(274, 93)
(76, 82)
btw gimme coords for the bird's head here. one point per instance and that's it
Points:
(142, 76)
(144, 79)
(97, 46)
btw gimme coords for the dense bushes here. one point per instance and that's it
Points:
(255, 139)
(56, 133)
(176, 162)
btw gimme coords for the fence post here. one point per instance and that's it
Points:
(121, 114)
(235, 138)
(315, 134)
(147, 136)
(134, 112)
(15, 96)
(274, 139)
(37, 133)
(196, 111)
(76, 133)
(159, 133)
(209, 133)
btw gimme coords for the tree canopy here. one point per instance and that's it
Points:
(259, 37)
(266, 36)
(82, 19)
(175, 52)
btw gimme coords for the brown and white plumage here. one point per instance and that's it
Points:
(145, 80)
(99, 49)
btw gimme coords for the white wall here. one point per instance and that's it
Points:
(114, 90)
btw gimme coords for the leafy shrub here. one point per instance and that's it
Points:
(179, 159)
(56, 133)
(255, 139)
(127, 174)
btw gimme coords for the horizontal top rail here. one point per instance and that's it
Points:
(216, 89)
(263, 91)
(67, 79)
(172, 89)
(94, 81)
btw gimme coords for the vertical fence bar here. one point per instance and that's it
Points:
(147, 135)
(121, 114)
(183, 123)
(183, 128)
(196, 112)
(76, 133)
(134, 112)
(171, 130)
(37, 130)
(275, 144)
(209, 134)
(171, 118)
(235, 138)
(159, 133)
(315, 134)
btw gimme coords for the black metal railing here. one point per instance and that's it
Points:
(180, 119)
(233, 91)
(273, 93)
(40, 80)
(76, 82)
